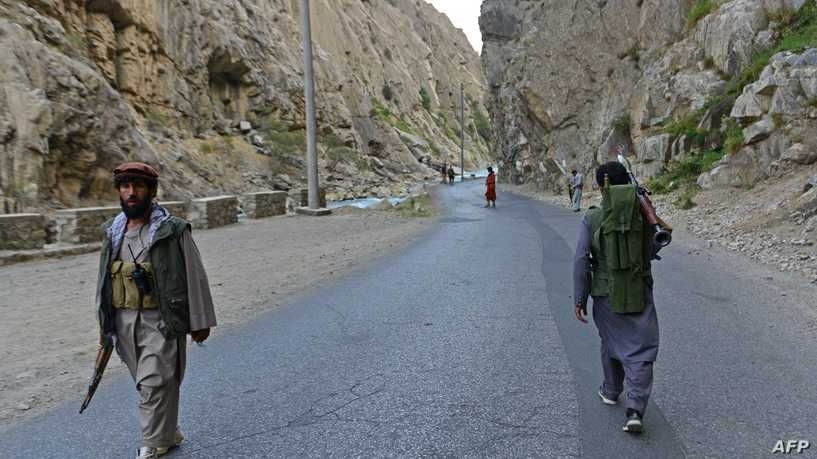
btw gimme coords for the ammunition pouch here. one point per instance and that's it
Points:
(124, 289)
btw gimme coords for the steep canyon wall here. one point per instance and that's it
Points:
(211, 92)
(664, 79)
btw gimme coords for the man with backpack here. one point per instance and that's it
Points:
(612, 264)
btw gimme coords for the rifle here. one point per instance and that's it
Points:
(662, 233)
(102, 357)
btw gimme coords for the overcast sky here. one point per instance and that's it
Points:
(465, 15)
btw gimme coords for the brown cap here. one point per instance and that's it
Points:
(136, 169)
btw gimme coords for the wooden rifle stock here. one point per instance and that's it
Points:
(646, 207)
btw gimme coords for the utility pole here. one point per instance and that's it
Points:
(311, 126)
(462, 133)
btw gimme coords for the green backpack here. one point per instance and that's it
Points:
(621, 264)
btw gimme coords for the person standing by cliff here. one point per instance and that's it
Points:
(612, 264)
(451, 174)
(151, 292)
(576, 185)
(490, 188)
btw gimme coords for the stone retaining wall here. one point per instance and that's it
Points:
(22, 231)
(82, 225)
(176, 208)
(301, 197)
(264, 203)
(213, 212)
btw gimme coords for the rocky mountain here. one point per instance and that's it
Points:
(666, 79)
(211, 92)
(714, 101)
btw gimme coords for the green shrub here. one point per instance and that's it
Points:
(207, 147)
(688, 126)
(332, 141)
(799, 34)
(344, 154)
(621, 124)
(156, 119)
(289, 142)
(425, 100)
(338, 154)
(388, 93)
(416, 207)
(684, 173)
(222, 144)
(483, 125)
(282, 140)
(272, 123)
(452, 134)
(403, 125)
(392, 119)
(631, 52)
(481, 122)
(699, 10)
(734, 136)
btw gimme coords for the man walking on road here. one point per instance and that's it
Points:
(576, 185)
(490, 188)
(151, 292)
(612, 264)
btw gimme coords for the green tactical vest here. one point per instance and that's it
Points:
(621, 267)
(170, 287)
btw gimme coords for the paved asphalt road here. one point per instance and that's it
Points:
(464, 345)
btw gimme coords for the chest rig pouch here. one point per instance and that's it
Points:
(124, 288)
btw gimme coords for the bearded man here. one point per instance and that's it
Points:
(152, 291)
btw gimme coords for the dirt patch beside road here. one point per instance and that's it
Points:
(48, 330)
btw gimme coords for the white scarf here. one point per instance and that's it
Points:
(116, 231)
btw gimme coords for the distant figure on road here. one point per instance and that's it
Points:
(612, 264)
(490, 188)
(444, 172)
(576, 185)
(451, 175)
(151, 292)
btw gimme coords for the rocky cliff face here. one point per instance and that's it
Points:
(211, 92)
(665, 79)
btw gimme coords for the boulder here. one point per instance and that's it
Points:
(800, 154)
(748, 105)
(742, 169)
(655, 148)
(758, 130)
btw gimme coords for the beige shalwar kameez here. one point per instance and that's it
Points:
(156, 363)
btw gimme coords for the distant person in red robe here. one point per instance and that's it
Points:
(490, 192)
